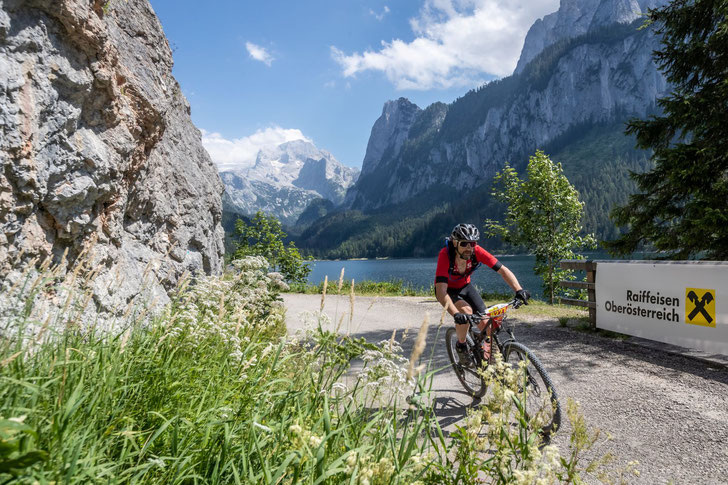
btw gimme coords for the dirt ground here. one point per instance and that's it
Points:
(668, 412)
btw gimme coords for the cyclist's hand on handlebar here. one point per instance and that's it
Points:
(461, 318)
(523, 295)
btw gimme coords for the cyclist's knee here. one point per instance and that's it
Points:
(464, 307)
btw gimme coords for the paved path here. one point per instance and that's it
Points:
(668, 412)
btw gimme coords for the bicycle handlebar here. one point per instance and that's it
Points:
(476, 317)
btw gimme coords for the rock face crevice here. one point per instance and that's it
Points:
(98, 149)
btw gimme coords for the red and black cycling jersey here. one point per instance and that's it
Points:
(447, 271)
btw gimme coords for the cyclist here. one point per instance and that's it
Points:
(455, 263)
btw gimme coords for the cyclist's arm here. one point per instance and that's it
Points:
(509, 278)
(444, 298)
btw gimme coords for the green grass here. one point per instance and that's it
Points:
(364, 288)
(210, 390)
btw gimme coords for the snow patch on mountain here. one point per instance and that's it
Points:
(284, 179)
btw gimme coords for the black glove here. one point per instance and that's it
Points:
(523, 295)
(461, 318)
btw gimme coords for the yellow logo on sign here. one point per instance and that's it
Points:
(700, 307)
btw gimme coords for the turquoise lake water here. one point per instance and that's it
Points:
(420, 272)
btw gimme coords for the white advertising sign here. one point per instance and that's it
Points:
(680, 303)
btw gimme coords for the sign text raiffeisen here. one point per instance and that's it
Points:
(683, 303)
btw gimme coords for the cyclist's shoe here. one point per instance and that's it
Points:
(463, 354)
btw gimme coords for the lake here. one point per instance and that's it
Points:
(420, 272)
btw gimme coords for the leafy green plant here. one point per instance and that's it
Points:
(680, 207)
(16, 447)
(264, 237)
(543, 214)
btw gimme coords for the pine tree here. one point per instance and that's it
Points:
(681, 206)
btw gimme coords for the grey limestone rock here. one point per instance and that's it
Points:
(389, 132)
(577, 17)
(98, 151)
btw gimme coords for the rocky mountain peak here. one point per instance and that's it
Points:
(389, 132)
(602, 78)
(577, 17)
(285, 179)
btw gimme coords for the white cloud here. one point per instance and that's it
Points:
(379, 16)
(240, 153)
(259, 53)
(456, 43)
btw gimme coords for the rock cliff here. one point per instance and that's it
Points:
(604, 75)
(98, 150)
(577, 17)
(389, 132)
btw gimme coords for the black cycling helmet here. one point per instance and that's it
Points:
(465, 232)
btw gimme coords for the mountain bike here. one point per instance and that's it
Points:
(540, 394)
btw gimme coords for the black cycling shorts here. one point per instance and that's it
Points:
(469, 295)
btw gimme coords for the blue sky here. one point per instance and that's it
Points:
(258, 72)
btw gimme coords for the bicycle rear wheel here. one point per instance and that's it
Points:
(541, 398)
(468, 376)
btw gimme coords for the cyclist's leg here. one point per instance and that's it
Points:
(470, 294)
(463, 307)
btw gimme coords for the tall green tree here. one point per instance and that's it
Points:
(264, 237)
(682, 204)
(543, 214)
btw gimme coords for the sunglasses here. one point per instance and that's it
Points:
(464, 244)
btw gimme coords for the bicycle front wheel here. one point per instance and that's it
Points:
(468, 374)
(540, 398)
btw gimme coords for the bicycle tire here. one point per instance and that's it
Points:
(539, 383)
(469, 377)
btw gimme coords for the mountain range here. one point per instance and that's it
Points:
(584, 71)
(285, 179)
(600, 71)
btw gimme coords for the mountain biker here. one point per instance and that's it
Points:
(455, 263)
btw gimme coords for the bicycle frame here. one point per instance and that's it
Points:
(478, 334)
(538, 389)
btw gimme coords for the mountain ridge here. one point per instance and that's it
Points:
(572, 98)
(602, 76)
(284, 179)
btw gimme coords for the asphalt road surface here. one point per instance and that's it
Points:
(668, 412)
